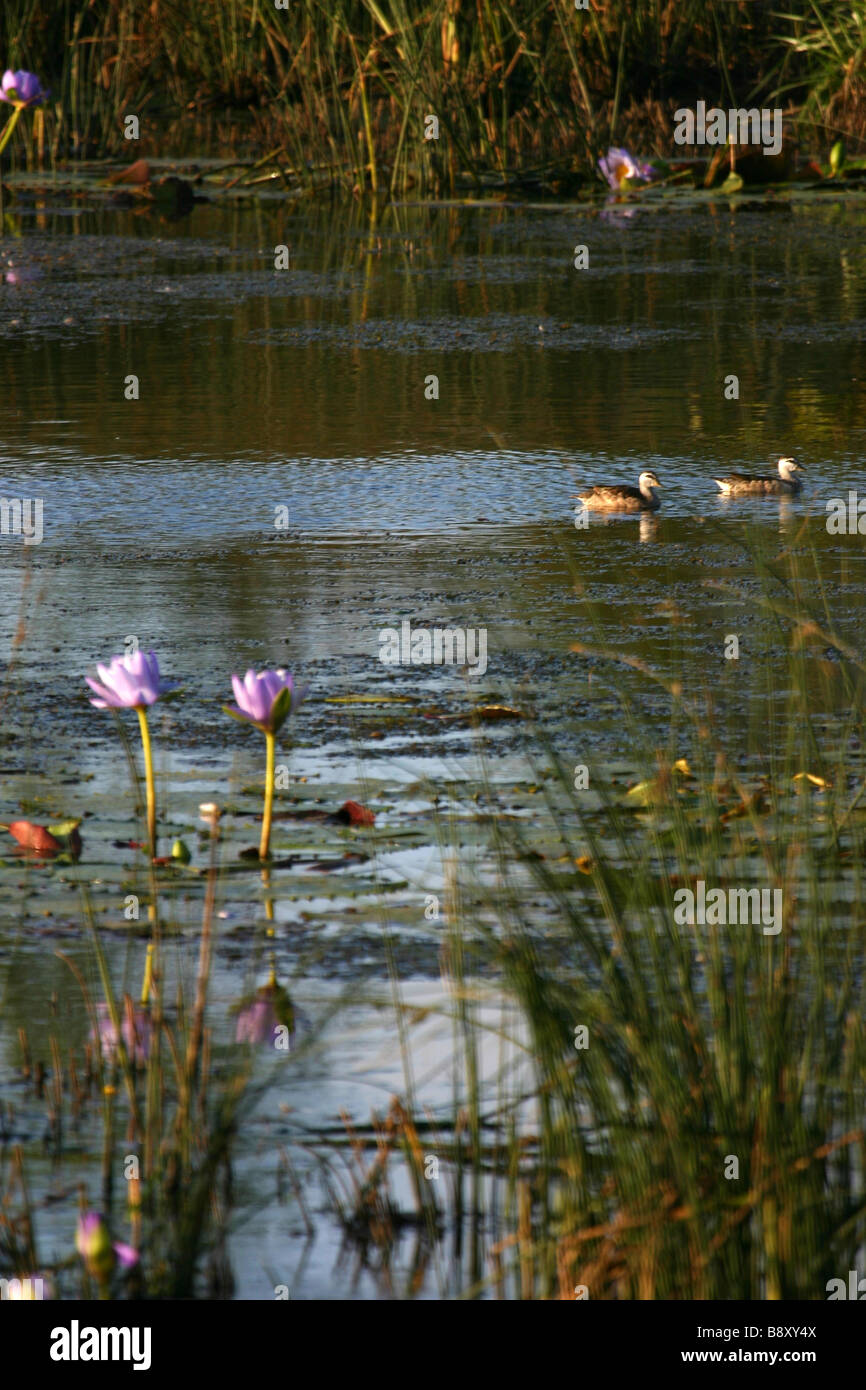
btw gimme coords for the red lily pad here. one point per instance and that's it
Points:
(35, 837)
(353, 813)
(138, 173)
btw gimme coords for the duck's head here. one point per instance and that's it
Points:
(647, 480)
(789, 466)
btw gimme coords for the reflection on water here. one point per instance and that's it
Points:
(621, 363)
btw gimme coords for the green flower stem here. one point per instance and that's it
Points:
(10, 126)
(265, 845)
(148, 773)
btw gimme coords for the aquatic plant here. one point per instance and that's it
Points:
(265, 700)
(133, 682)
(19, 90)
(180, 1119)
(101, 1255)
(618, 166)
(155, 1079)
(678, 1108)
(698, 1090)
(135, 1030)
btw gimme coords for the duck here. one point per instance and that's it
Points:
(619, 497)
(757, 485)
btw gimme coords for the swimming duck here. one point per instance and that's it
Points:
(618, 497)
(752, 485)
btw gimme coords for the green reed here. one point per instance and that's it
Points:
(610, 1168)
(165, 1126)
(346, 88)
(705, 1043)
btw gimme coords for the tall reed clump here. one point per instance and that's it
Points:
(180, 1120)
(829, 41)
(346, 90)
(697, 1112)
(167, 1117)
(163, 1102)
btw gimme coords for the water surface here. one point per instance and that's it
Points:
(307, 390)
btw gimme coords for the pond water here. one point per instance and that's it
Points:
(284, 488)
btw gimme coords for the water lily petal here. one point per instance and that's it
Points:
(126, 1255)
(127, 686)
(258, 701)
(108, 698)
(257, 695)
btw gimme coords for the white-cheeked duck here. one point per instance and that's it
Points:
(752, 485)
(619, 497)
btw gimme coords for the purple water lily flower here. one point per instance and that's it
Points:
(261, 701)
(135, 1032)
(128, 682)
(22, 88)
(619, 164)
(95, 1246)
(133, 682)
(265, 699)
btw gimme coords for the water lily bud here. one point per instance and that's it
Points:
(837, 156)
(265, 699)
(93, 1243)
